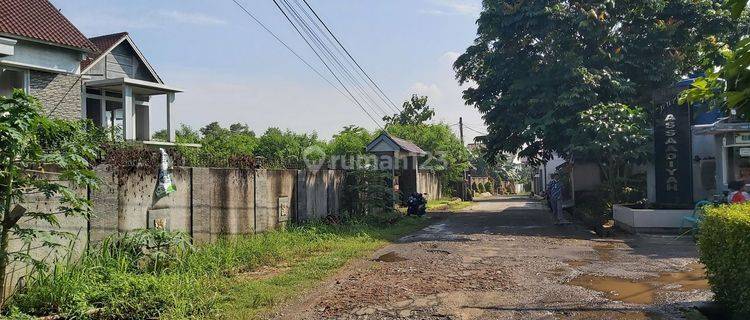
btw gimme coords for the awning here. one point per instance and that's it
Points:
(139, 86)
(721, 127)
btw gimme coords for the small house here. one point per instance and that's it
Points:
(401, 158)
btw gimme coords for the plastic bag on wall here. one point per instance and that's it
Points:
(165, 184)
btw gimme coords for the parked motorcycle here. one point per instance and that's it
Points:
(416, 205)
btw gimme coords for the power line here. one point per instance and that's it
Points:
(477, 131)
(352, 58)
(252, 16)
(324, 62)
(342, 53)
(332, 58)
(345, 56)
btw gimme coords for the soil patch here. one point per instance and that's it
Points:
(390, 257)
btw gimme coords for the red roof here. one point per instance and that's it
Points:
(102, 44)
(40, 20)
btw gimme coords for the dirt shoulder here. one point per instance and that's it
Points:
(504, 259)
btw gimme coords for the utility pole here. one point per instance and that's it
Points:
(466, 183)
(461, 129)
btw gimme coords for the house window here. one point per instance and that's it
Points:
(93, 91)
(12, 79)
(113, 94)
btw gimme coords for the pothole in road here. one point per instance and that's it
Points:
(390, 257)
(604, 250)
(643, 291)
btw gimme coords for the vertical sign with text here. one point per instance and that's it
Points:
(673, 154)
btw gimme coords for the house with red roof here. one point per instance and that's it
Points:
(106, 79)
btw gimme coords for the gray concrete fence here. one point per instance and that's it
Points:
(209, 203)
(212, 202)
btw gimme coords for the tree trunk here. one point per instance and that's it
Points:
(3, 261)
(4, 258)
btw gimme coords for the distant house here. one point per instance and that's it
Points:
(106, 78)
(401, 158)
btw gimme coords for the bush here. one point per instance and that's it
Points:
(488, 186)
(724, 243)
(480, 187)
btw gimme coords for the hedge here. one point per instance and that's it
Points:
(724, 242)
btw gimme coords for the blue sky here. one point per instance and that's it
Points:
(233, 71)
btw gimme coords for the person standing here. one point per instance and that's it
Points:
(738, 194)
(554, 196)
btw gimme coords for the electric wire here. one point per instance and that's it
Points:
(352, 58)
(310, 66)
(324, 62)
(332, 59)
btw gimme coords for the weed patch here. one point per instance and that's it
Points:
(159, 276)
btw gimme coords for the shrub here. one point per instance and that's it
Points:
(480, 187)
(724, 243)
(488, 186)
(147, 250)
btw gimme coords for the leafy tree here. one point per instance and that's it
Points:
(282, 149)
(33, 147)
(616, 137)
(212, 129)
(450, 156)
(186, 134)
(414, 111)
(183, 134)
(160, 135)
(351, 141)
(240, 128)
(727, 86)
(219, 147)
(537, 64)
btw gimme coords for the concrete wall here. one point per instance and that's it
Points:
(212, 202)
(43, 56)
(429, 183)
(586, 176)
(70, 247)
(58, 91)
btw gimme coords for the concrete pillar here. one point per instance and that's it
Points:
(128, 105)
(103, 112)
(415, 159)
(170, 127)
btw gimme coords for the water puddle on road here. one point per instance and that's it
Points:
(604, 250)
(390, 257)
(643, 291)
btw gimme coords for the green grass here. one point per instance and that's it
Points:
(213, 281)
(447, 204)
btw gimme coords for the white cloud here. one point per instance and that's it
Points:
(453, 7)
(191, 18)
(432, 90)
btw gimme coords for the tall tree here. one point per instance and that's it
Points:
(447, 154)
(351, 141)
(414, 111)
(537, 64)
(727, 85)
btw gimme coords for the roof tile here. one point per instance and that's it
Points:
(102, 44)
(40, 20)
